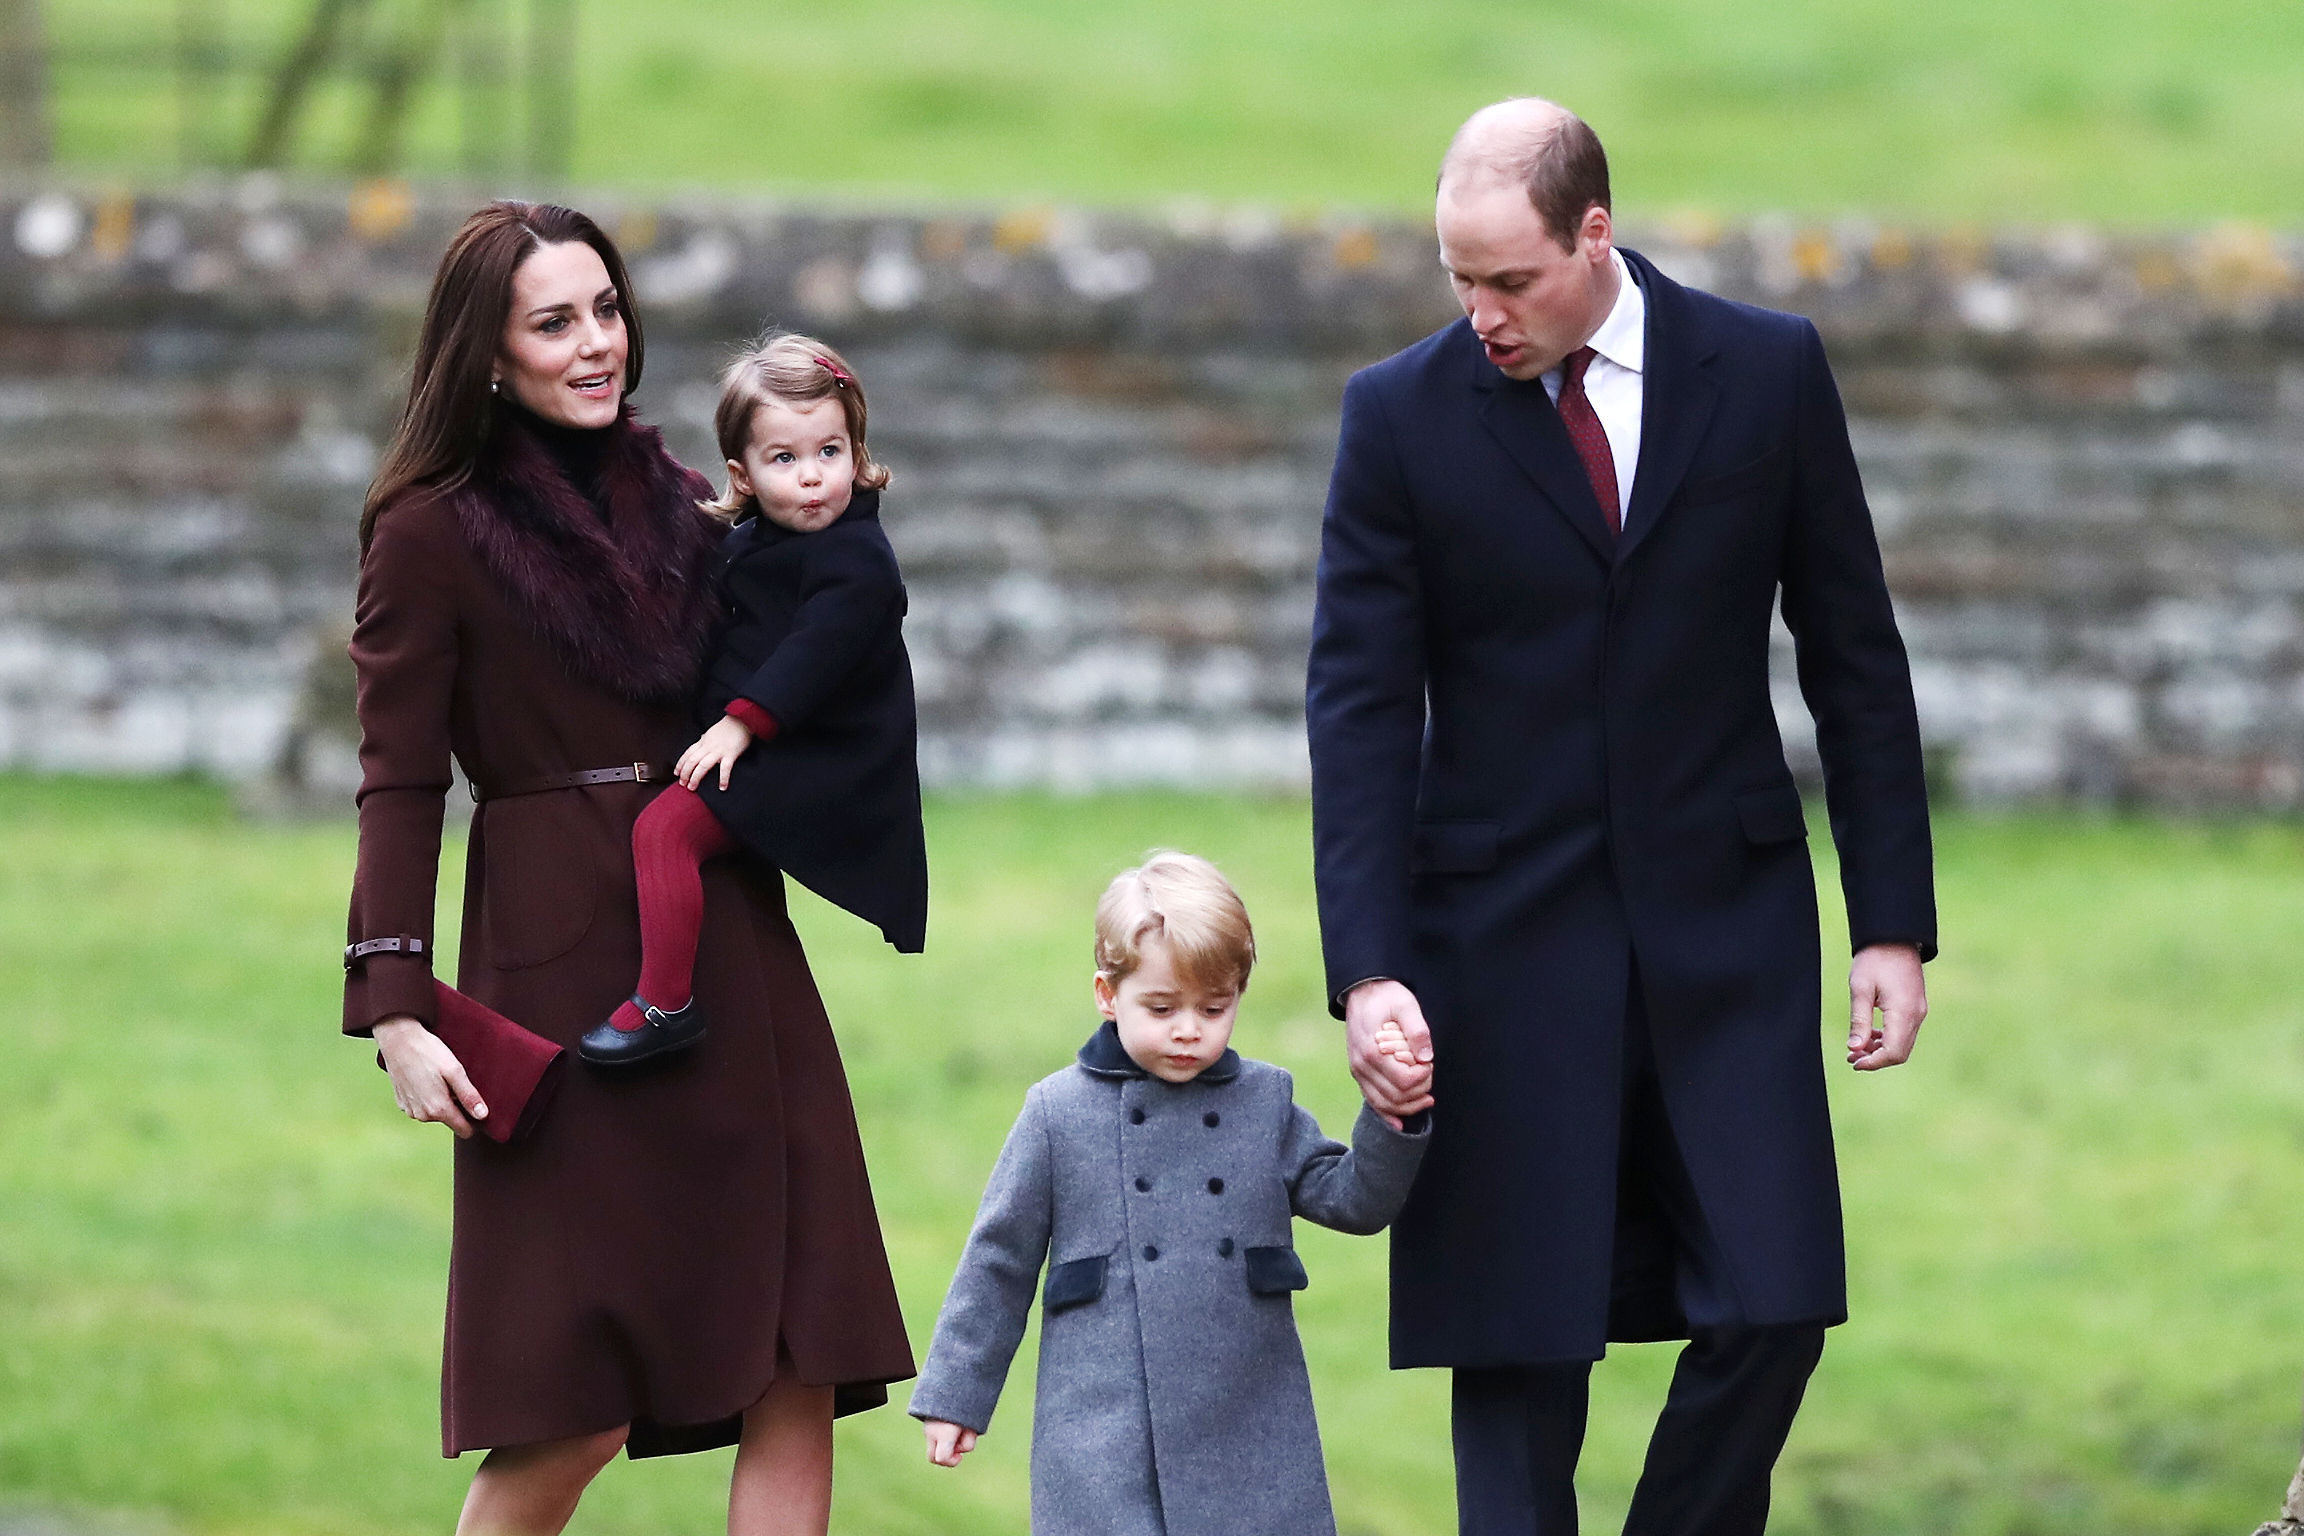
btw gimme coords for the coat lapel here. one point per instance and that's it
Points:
(1678, 393)
(1524, 422)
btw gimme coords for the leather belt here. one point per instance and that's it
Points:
(403, 945)
(622, 773)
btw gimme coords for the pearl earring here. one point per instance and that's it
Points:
(492, 386)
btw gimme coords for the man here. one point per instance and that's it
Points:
(1552, 816)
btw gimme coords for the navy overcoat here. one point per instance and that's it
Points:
(1543, 755)
(814, 636)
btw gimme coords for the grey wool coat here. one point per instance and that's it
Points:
(1172, 1396)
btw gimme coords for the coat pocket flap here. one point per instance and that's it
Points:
(1731, 483)
(1275, 1271)
(1455, 847)
(1074, 1282)
(1772, 815)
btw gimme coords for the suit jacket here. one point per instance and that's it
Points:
(814, 635)
(1542, 755)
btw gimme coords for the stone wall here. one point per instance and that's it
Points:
(1111, 436)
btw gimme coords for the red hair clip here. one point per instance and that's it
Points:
(839, 374)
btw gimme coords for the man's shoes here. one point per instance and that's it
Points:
(659, 1034)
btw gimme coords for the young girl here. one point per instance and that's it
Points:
(1157, 1178)
(810, 760)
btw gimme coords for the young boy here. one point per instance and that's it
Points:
(1157, 1177)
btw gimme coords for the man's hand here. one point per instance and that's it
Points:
(947, 1443)
(1884, 978)
(1382, 1022)
(718, 748)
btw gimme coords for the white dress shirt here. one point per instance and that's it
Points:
(1613, 382)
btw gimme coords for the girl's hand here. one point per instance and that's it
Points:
(718, 747)
(947, 1443)
(427, 1079)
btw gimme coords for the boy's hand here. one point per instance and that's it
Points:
(947, 1443)
(1393, 1042)
(1369, 1008)
(1416, 1076)
(718, 747)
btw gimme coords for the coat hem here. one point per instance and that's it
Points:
(1405, 1360)
(650, 1437)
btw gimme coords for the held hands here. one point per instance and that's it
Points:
(427, 1079)
(1886, 978)
(947, 1443)
(718, 747)
(1390, 1048)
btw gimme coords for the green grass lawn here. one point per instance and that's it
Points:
(2129, 111)
(2074, 1219)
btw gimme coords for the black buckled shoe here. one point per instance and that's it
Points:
(604, 1045)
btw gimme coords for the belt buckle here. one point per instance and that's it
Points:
(641, 775)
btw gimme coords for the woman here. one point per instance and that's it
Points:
(674, 1260)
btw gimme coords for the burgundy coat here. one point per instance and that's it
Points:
(669, 1240)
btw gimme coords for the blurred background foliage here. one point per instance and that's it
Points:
(2119, 111)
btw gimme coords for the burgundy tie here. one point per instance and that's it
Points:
(1591, 441)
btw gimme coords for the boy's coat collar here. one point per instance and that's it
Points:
(1105, 1056)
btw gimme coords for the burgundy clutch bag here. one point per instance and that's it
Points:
(516, 1070)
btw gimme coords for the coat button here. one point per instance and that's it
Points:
(1150, 1253)
(1215, 1186)
(1224, 1249)
(1135, 1117)
(1211, 1119)
(1143, 1186)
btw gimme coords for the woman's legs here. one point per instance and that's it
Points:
(673, 836)
(783, 1481)
(531, 1490)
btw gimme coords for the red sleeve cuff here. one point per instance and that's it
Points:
(758, 721)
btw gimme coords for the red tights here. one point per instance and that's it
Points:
(673, 836)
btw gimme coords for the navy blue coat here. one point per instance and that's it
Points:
(813, 634)
(1541, 755)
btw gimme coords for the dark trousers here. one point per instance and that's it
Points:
(1519, 1429)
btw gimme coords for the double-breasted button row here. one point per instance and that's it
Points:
(1210, 1119)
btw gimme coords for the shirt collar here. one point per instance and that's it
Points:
(1623, 336)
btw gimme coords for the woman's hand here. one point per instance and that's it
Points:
(947, 1443)
(427, 1079)
(718, 747)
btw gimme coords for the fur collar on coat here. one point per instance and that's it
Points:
(628, 602)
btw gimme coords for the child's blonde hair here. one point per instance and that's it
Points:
(1187, 901)
(784, 365)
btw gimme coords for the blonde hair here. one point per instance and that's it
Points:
(799, 370)
(1187, 901)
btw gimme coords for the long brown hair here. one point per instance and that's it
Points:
(448, 414)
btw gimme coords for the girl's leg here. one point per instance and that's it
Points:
(783, 1481)
(673, 836)
(531, 1490)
